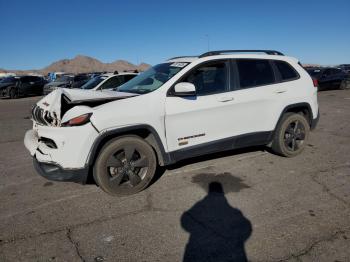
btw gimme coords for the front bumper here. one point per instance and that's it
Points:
(55, 172)
(67, 146)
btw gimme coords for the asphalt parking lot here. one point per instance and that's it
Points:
(270, 209)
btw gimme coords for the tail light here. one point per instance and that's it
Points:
(315, 81)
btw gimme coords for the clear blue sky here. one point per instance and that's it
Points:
(35, 33)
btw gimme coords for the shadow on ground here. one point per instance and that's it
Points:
(217, 230)
(161, 170)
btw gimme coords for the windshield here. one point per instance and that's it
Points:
(64, 78)
(93, 82)
(7, 79)
(152, 79)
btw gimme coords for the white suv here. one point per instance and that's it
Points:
(108, 81)
(182, 108)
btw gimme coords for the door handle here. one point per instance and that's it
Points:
(226, 99)
(280, 91)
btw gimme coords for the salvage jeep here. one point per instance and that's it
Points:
(182, 108)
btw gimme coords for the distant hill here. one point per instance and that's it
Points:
(84, 64)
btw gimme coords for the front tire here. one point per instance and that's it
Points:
(13, 93)
(125, 166)
(291, 135)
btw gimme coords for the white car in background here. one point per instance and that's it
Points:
(108, 81)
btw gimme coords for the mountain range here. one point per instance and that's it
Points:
(83, 64)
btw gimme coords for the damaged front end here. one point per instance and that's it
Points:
(61, 138)
(50, 110)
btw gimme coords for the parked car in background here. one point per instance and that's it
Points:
(53, 76)
(329, 78)
(15, 86)
(108, 81)
(345, 68)
(66, 81)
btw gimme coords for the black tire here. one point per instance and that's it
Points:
(291, 135)
(125, 166)
(344, 85)
(13, 93)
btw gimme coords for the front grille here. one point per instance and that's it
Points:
(41, 116)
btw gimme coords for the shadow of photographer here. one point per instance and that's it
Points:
(217, 230)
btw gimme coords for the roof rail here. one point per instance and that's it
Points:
(176, 57)
(219, 52)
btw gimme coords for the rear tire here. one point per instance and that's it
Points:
(291, 135)
(345, 85)
(13, 94)
(125, 166)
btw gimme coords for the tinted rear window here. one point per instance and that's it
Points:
(287, 72)
(255, 72)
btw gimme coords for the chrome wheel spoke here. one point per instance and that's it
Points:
(296, 125)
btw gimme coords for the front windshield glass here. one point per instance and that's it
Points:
(64, 78)
(93, 82)
(7, 79)
(152, 79)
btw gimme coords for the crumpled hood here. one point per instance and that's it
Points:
(50, 109)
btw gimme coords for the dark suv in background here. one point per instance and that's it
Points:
(16, 86)
(330, 78)
(345, 67)
(67, 81)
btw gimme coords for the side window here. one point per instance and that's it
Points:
(254, 72)
(286, 71)
(128, 78)
(35, 79)
(336, 71)
(211, 78)
(111, 83)
(327, 72)
(25, 79)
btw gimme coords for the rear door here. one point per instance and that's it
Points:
(36, 85)
(26, 86)
(257, 98)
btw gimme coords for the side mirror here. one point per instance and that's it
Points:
(185, 89)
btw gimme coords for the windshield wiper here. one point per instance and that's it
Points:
(135, 91)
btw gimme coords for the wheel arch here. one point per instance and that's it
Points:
(144, 131)
(303, 108)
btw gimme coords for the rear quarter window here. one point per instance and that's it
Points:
(254, 72)
(287, 72)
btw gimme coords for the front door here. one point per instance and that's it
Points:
(191, 121)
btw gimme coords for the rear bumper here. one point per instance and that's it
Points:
(57, 173)
(315, 121)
